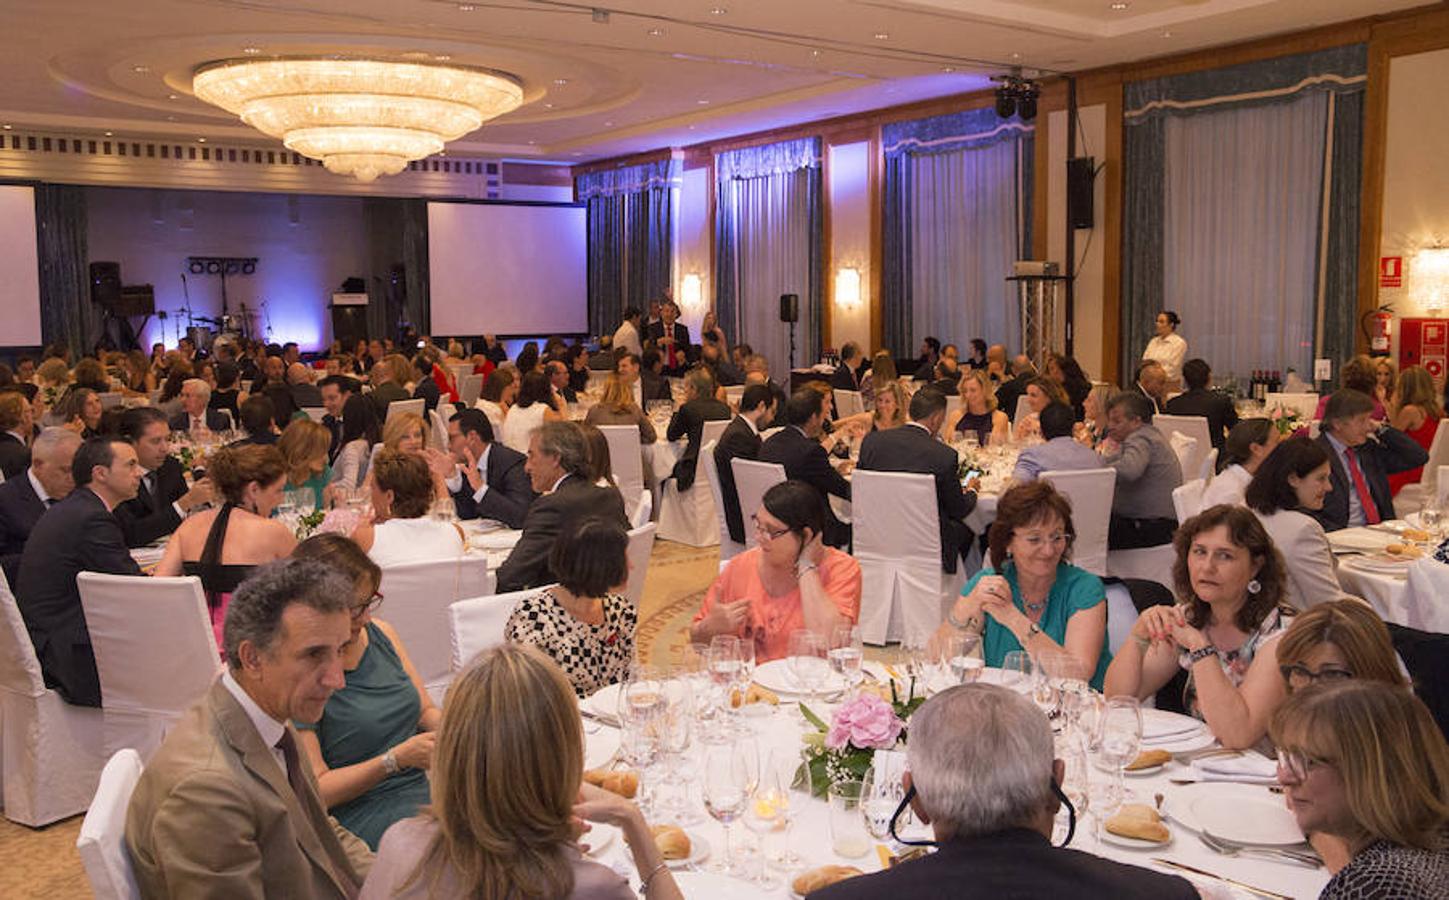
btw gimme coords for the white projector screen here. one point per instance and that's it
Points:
(19, 268)
(496, 268)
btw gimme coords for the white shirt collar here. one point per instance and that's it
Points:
(483, 458)
(17, 435)
(269, 728)
(751, 423)
(919, 425)
(559, 482)
(36, 486)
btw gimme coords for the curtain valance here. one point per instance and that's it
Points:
(768, 159)
(971, 129)
(628, 179)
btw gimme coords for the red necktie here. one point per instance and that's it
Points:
(1365, 499)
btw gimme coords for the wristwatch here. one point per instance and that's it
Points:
(1200, 654)
(390, 764)
(1032, 631)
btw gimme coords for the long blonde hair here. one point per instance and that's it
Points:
(302, 444)
(505, 777)
(618, 396)
(980, 377)
(399, 425)
(1416, 388)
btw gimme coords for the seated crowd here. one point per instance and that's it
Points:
(319, 765)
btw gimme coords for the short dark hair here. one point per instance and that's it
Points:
(1133, 404)
(1143, 366)
(621, 354)
(978, 345)
(933, 343)
(98, 451)
(946, 368)
(289, 345)
(1172, 318)
(797, 505)
(926, 403)
(755, 396)
(256, 609)
(1269, 491)
(590, 558)
(1238, 448)
(650, 357)
(474, 421)
(226, 375)
(802, 404)
(344, 383)
(535, 388)
(1056, 420)
(631, 312)
(1345, 403)
(257, 412)
(137, 419)
(1196, 373)
(849, 351)
(359, 420)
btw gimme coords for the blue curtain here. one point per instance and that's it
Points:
(906, 143)
(67, 315)
(630, 226)
(397, 257)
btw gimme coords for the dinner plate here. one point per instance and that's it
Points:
(1142, 773)
(600, 748)
(698, 853)
(495, 540)
(1132, 843)
(1177, 805)
(605, 701)
(1264, 821)
(1359, 539)
(1186, 744)
(1381, 563)
(1159, 725)
(600, 837)
(707, 884)
(775, 675)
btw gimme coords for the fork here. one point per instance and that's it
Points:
(1226, 847)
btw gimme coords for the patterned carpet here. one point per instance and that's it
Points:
(42, 863)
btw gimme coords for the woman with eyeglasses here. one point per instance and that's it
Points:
(1223, 631)
(1364, 762)
(790, 580)
(373, 746)
(1031, 597)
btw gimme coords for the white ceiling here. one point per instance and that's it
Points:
(655, 73)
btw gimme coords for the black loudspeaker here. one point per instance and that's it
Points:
(1081, 172)
(106, 284)
(789, 307)
(136, 300)
(349, 324)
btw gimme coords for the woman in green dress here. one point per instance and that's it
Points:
(304, 445)
(373, 746)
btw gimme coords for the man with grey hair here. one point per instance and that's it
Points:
(1022, 371)
(299, 385)
(982, 775)
(24, 499)
(227, 803)
(700, 406)
(556, 465)
(195, 415)
(1147, 472)
(1362, 455)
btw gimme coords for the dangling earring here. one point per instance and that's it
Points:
(1254, 587)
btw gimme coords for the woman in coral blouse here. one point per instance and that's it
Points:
(789, 581)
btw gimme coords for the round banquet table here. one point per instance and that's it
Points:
(1386, 585)
(779, 731)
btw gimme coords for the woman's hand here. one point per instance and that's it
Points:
(994, 594)
(417, 751)
(811, 552)
(1167, 624)
(607, 808)
(726, 617)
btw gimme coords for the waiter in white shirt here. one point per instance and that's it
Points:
(1168, 347)
(627, 335)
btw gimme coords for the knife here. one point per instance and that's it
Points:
(1237, 884)
(603, 718)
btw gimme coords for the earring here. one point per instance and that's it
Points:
(1254, 586)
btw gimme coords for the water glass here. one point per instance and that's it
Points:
(848, 837)
(727, 788)
(880, 797)
(1431, 517)
(963, 659)
(1018, 671)
(1118, 741)
(808, 661)
(847, 654)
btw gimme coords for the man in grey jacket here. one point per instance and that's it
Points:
(1147, 473)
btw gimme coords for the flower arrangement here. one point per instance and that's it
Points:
(973, 464)
(1288, 421)
(310, 523)
(843, 750)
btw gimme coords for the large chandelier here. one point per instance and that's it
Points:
(360, 117)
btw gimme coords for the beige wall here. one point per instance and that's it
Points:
(849, 192)
(1091, 141)
(692, 248)
(1416, 176)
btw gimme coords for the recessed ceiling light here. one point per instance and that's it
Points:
(7, 126)
(201, 140)
(1120, 6)
(718, 11)
(1016, 56)
(531, 143)
(548, 106)
(251, 51)
(560, 81)
(1167, 34)
(655, 32)
(576, 153)
(882, 36)
(948, 69)
(108, 134)
(815, 53)
(702, 102)
(171, 118)
(608, 124)
(691, 128)
(141, 69)
(466, 7)
(170, 96)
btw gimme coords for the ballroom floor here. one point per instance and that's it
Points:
(43, 863)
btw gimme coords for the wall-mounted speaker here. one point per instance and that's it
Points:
(106, 284)
(789, 307)
(1081, 173)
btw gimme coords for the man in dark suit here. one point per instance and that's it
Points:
(487, 480)
(257, 414)
(948, 376)
(757, 371)
(1361, 461)
(994, 834)
(797, 447)
(16, 417)
(926, 364)
(558, 379)
(671, 339)
(1199, 400)
(384, 389)
(1150, 380)
(299, 384)
(557, 462)
(196, 414)
(26, 497)
(78, 534)
(162, 500)
(700, 406)
(1022, 371)
(644, 384)
(424, 387)
(713, 357)
(741, 440)
(851, 370)
(335, 391)
(913, 448)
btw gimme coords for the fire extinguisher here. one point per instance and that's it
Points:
(1378, 327)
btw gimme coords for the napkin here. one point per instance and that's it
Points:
(1249, 768)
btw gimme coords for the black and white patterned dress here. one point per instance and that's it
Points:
(592, 656)
(1384, 871)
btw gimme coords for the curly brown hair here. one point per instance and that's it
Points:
(409, 479)
(1245, 531)
(1032, 503)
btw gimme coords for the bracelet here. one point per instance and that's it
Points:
(648, 879)
(1032, 631)
(968, 625)
(1201, 654)
(801, 570)
(390, 764)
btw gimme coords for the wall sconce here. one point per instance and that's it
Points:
(691, 291)
(1429, 280)
(847, 288)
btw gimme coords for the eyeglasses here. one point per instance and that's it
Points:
(766, 533)
(372, 603)
(1035, 541)
(1298, 764)
(1302, 675)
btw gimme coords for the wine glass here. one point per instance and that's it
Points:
(768, 811)
(1431, 516)
(1018, 671)
(1076, 782)
(880, 796)
(641, 708)
(960, 653)
(846, 654)
(1118, 741)
(727, 790)
(675, 738)
(807, 660)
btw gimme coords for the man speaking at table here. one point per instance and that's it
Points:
(1362, 458)
(487, 479)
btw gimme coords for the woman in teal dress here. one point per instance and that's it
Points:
(304, 445)
(1031, 597)
(373, 746)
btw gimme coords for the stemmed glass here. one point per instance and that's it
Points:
(1117, 741)
(846, 654)
(729, 776)
(727, 671)
(807, 660)
(1076, 781)
(768, 811)
(675, 738)
(961, 657)
(641, 708)
(880, 795)
(1066, 677)
(1018, 671)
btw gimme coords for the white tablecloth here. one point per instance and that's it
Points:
(1388, 588)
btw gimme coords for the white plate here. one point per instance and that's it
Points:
(707, 884)
(776, 676)
(1360, 539)
(1177, 805)
(1143, 773)
(600, 748)
(605, 701)
(1134, 843)
(1265, 821)
(698, 853)
(495, 540)
(1159, 726)
(600, 837)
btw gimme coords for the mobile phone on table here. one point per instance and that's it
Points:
(969, 476)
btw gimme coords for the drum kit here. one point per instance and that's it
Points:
(205, 331)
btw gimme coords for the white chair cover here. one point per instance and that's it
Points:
(752, 479)
(1090, 492)
(1148, 563)
(734, 393)
(1442, 490)
(1177, 429)
(904, 593)
(1023, 409)
(1411, 496)
(627, 462)
(398, 407)
(727, 547)
(440, 427)
(469, 388)
(146, 685)
(848, 403)
(689, 517)
(111, 399)
(1209, 469)
(1121, 615)
(1187, 499)
(953, 406)
(315, 413)
(641, 547)
(102, 841)
(477, 623)
(52, 754)
(417, 597)
(643, 511)
(770, 432)
(1306, 405)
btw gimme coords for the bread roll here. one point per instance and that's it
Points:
(1137, 820)
(671, 840)
(1149, 758)
(824, 876)
(753, 694)
(623, 782)
(1415, 534)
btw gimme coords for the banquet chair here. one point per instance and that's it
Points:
(1090, 492)
(417, 598)
(315, 413)
(398, 407)
(147, 681)
(1411, 496)
(1145, 563)
(470, 387)
(848, 403)
(1121, 615)
(1187, 499)
(1023, 409)
(752, 479)
(626, 460)
(641, 547)
(102, 840)
(897, 541)
(1442, 488)
(727, 547)
(1209, 468)
(1194, 427)
(477, 624)
(689, 517)
(953, 405)
(1306, 405)
(440, 427)
(734, 393)
(643, 512)
(111, 399)
(52, 754)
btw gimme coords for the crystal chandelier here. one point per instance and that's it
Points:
(360, 117)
